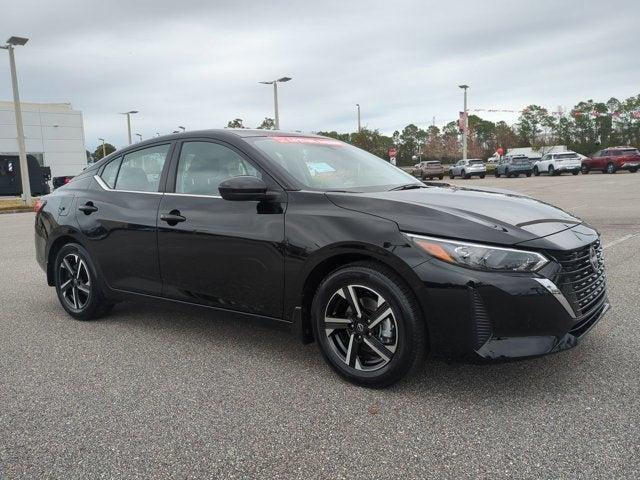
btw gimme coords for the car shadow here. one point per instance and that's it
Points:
(527, 379)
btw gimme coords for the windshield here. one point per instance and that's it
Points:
(327, 164)
(563, 156)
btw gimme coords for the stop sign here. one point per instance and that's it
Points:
(393, 152)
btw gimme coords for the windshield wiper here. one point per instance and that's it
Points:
(408, 186)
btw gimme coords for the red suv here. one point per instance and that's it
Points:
(613, 159)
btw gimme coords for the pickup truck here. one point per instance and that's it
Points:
(558, 163)
(612, 159)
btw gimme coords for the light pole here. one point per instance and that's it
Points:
(465, 125)
(275, 98)
(181, 128)
(128, 114)
(12, 42)
(104, 150)
(359, 127)
(139, 137)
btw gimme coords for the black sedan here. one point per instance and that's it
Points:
(376, 267)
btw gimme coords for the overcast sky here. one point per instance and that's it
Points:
(198, 63)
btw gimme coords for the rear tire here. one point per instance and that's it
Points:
(633, 170)
(77, 285)
(482, 176)
(451, 175)
(575, 172)
(506, 173)
(440, 177)
(496, 174)
(528, 174)
(376, 356)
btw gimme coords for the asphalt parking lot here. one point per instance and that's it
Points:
(162, 391)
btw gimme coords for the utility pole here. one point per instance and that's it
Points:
(276, 119)
(465, 125)
(104, 150)
(22, 153)
(128, 114)
(359, 126)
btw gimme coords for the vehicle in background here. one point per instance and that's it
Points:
(494, 159)
(468, 168)
(558, 163)
(60, 181)
(10, 180)
(514, 166)
(429, 169)
(612, 159)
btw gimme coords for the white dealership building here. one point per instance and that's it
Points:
(54, 134)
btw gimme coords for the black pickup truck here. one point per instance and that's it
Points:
(10, 180)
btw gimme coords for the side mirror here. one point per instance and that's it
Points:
(243, 188)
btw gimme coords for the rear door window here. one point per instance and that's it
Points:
(140, 170)
(110, 172)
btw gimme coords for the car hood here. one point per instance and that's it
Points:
(483, 215)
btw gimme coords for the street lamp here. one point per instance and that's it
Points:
(12, 42)
(275, 97)
(465, 125)
(128, 114)
(359, 128)
(181, 128)
(104, 150)
(139, 137)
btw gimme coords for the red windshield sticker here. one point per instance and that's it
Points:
(308, 140)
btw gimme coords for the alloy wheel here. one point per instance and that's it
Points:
(361, 328)
(75, 281)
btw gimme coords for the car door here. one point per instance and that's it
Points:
(117, 216)
(220, 253)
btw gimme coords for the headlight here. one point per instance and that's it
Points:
(480, 257)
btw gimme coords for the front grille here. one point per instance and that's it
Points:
(582, 281)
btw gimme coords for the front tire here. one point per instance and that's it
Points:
(451, 175)
(77, 285)
(585, 170)
(611, 168)
(536, 172)
(368, 324)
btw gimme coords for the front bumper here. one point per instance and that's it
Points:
(492, 315)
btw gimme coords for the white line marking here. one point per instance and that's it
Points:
(620, 240)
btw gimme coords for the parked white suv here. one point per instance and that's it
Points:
(468, 168)
(557, 163)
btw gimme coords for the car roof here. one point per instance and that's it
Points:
(215, 133)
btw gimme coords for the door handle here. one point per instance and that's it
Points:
(172, 218)
(88, 208)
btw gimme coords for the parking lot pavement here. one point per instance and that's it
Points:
(161, 391)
